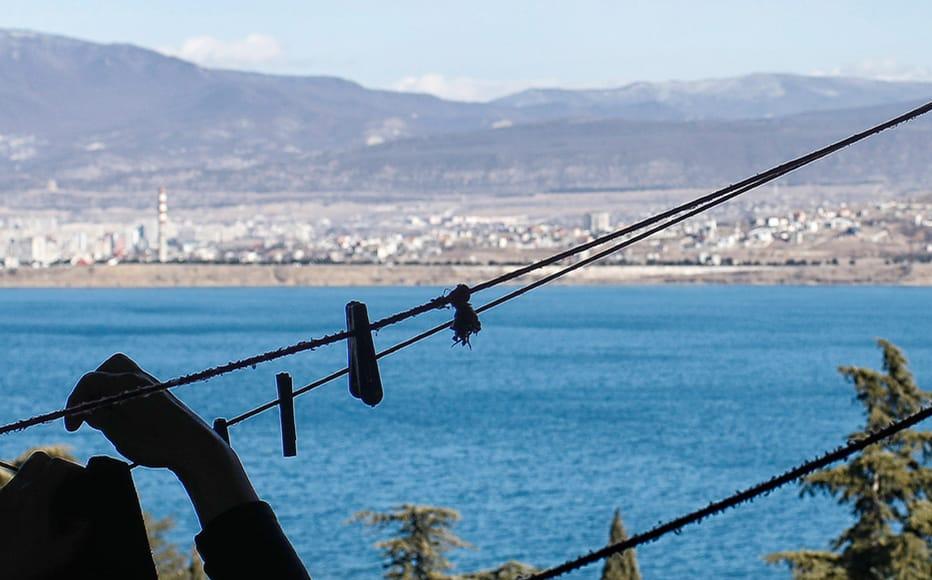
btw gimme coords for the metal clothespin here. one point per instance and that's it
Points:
(364, 380)
(286, 414)
(220, 427)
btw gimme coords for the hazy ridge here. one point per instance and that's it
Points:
(119, 117)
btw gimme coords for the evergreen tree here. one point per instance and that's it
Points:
(60, 451)
(423, 537)
(623, 566)
(196, 566)
(169, 562)
(510, 570)
(888, 487)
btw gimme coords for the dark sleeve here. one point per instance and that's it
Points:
(247, 542)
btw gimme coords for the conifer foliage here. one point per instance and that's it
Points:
(60, 451)
(623, 566)
(423, 536)
(420, 536)
(510, 570)
(888, 486)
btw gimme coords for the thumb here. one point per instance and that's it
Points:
(95, 386)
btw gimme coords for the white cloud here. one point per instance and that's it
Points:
(886, 69)
(462, 88)
(254, 50)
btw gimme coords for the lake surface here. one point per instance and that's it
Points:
(573, 401)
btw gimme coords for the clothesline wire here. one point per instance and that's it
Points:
(509, 296)
(766, 175)
(442, 301)
(498, 301)
(712, 200)
(737, 498)
(695, 207)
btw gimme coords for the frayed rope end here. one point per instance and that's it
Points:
(465, 321)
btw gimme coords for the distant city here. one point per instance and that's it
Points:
(894, 230)
(321, 170)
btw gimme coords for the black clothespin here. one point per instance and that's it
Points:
(364, 380)
(286, 414)
(220, 427)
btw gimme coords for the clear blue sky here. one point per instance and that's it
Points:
(480, 48)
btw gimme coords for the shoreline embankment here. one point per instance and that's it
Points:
(254, 275)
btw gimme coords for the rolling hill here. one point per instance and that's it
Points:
(117, 117)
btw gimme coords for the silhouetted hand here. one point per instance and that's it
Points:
(34, 540)
(160, 431)
(156, 431)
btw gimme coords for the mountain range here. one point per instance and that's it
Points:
(116, 117)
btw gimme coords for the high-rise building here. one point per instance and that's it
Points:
(32, 250)
(598, 222)
(162, 243)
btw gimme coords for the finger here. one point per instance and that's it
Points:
(120, 363)
(151, 378)
(94, 386)
(90, 387)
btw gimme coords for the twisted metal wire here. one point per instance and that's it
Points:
(690, 208)
(738, 498)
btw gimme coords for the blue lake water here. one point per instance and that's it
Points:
(573, 401)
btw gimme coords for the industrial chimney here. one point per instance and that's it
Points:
(162, 246)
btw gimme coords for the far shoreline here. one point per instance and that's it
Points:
(865, 272)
